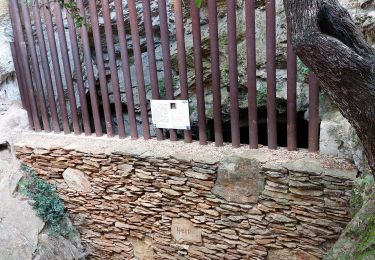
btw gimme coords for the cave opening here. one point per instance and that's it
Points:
(302, 128)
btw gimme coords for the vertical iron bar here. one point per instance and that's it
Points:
(151, 57)
(251, 73)
(56, 65)
(113, 66)
(233, 73)
(271, 73)
(292, 97)
(164, 34)
(313, 113)
(34, 122)
(17, 60)
(90, 71)
(139, 68)
(18, 70)
(215, 67)
(101, 69)
(67, 69)
(46, 69)
(195, 17)
(39, 92)
(180, 38)
(78, 71)
(126, 69)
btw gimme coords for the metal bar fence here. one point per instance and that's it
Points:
(39, 83)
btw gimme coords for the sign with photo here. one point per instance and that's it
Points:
(170, 114)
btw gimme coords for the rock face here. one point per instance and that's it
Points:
(8, 85)
(158, 207)
(19, 224)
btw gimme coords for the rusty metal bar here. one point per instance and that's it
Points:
(56, 65)
(313, 113)
(78, 71)
(215, 67)
(139, 68)
(126, 69)
(180, 38)
(195, 17)
(34, 122)
(100, 64)
(46, 69)
(90, 72)
(67, 69)
(113, 66)
(164, 34)
(251, 73)
(271, 73)
(233, 73)
(151, 57)
(291, 95)
(39, 92)
(20, 80)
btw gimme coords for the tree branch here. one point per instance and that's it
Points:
(327, 40)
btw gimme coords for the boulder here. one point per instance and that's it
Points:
(76, 180)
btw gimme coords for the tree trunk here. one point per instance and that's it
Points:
(327, 40)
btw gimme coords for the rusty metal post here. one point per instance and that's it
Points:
(164, 34)
(180, 38)
(113, 67)
(233, 73)
(100, 63)
(126, 69)
(151, 57)
(195, 17)
(46, 68)
(251, 73)
(35, 65)
(271, 73)
(67, 70)
(139, 68)
(292, 97)
(20, 80)
(90, 72)
(215, 68)
(313, 113)
(78, 71)
(56, 65)
(34, 122)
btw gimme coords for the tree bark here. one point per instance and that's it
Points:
(327, 40)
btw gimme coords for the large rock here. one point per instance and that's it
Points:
(239, 180)
(338, 137)
(19, 224)
(77, 180)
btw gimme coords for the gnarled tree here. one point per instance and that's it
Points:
(327, 40)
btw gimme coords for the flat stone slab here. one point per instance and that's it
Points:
(238, 180)
(183, 230)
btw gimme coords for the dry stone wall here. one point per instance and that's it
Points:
(133, 205)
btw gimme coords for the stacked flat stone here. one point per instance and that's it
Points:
(130, 205)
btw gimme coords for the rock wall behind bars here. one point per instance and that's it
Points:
(132, 204)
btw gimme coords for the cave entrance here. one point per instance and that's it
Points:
(302, 129)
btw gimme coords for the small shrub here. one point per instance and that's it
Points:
(302, 71)
(46, 202)
(362, 187)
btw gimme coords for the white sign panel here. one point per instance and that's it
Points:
(171, 114)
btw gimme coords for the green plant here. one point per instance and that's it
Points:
(302, 70)
(48, 205)
(261, 94)
(361, 187)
